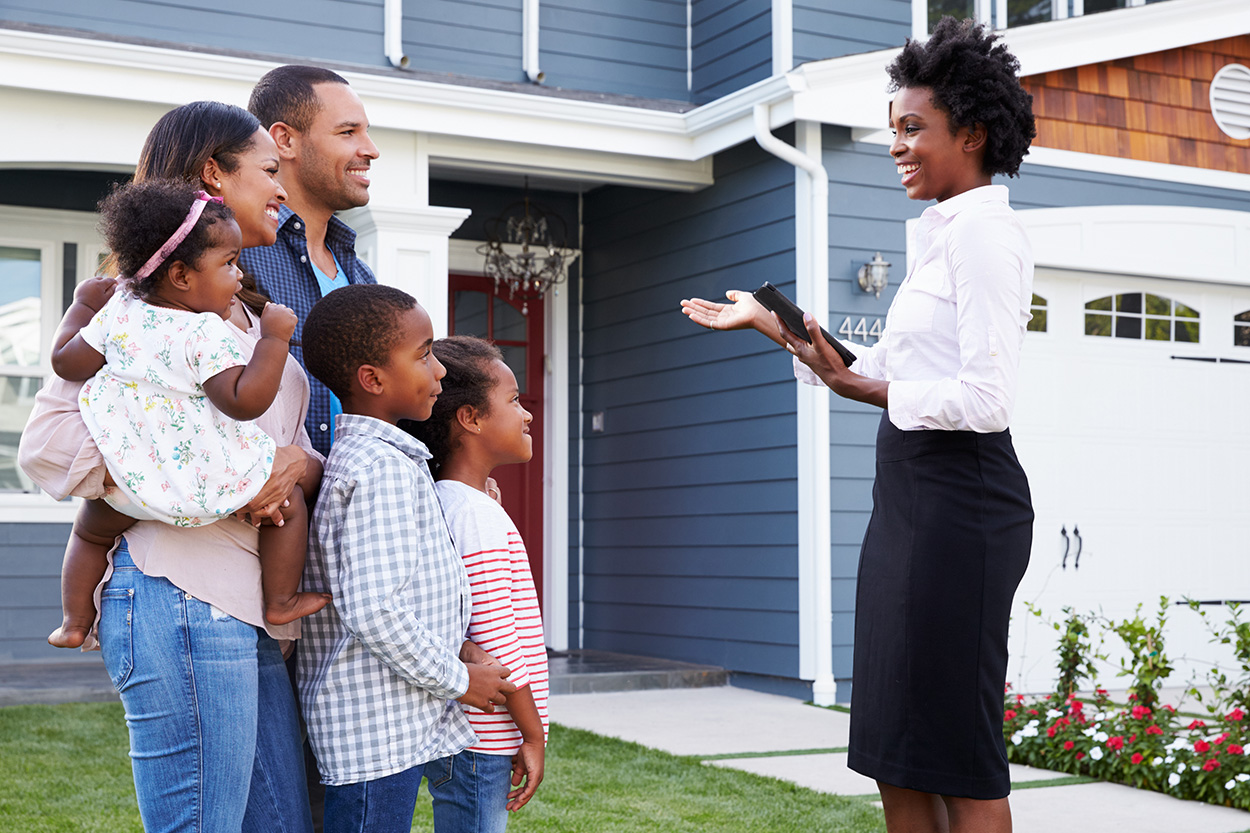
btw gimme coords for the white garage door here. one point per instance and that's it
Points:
(1137, 445)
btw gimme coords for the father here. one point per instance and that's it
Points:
(322, 133)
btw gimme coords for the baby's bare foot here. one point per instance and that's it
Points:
(68, 636)
(295, 607)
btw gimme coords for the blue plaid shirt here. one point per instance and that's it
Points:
(379, 667)
(284, 272)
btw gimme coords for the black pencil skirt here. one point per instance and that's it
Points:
(949, 539)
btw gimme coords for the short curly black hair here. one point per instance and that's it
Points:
(469, 381)
(974, 81)
(350, 327)
(137, 218)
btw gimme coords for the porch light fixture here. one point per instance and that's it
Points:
(541, 261)
(874, 275)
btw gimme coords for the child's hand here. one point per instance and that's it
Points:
(277, 321)
(487, 686)
(527, 767)
(94, 293)
(472, 652)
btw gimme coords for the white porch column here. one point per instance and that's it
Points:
(407, 247)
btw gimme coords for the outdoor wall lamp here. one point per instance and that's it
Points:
(874, 275)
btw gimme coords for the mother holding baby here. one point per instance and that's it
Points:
(214, 737)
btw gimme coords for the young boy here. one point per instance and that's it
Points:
(381, 666)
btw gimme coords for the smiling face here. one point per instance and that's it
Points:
(505, 427)
(252, 191)
(411, 375)
(934, 162)
(335, 153)
(213, 280)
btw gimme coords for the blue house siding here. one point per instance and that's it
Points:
(731, 46)
(690, 493)
(479, 38)
(330, 30)
(30, 593)
(832, 28)
(630, 47)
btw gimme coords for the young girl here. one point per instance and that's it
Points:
(170, 394)
(478, 423)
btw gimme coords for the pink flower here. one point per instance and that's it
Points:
(1137, 758)
(1197, 724)
(1235, 714)
(1067, 745)
(1140, 712)
(1153, 730)
(1211, 766)
(1008, 715)
(1050, 733)
(1201, 746)
(1080, 755)
(1235, 749)
(1116, 742)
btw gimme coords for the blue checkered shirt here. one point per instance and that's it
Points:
(284, 273)
(379, 666)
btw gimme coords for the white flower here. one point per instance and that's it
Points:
(1051, 714)
(1156, 761)
(1181, 767)
(1173, 779)
(1243, 776)
(1016, 739)
(1029, 731)
(1089, 733)
(1096, 753)
(1101, 737)
(1229, 784)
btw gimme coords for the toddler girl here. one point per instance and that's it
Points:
(170, 397)
(478, 423)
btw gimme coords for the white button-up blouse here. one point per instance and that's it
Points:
(951, 344)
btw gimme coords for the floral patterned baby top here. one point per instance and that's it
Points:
(173, 454)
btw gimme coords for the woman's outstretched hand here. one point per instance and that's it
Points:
(742, 313)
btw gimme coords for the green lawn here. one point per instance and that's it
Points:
(64, 768)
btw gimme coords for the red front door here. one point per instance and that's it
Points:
(477, 310)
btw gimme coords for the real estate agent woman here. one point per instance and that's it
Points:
(952, 520)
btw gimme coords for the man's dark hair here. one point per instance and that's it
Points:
(350, 327)
(287, 94)
(973, 80)
(469, 381)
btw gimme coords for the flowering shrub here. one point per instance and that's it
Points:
(1143, 744)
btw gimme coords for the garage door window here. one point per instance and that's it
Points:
(1037, 323)
(1140, 315)
(1241, 329)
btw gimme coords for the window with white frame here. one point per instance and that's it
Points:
(1037, 324)
(1141, 315)
(1003, 14)
(43, 254)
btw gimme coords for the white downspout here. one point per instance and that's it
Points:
(529, 45)
(812, 293)
(393, 33)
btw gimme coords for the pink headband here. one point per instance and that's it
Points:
(193, 216)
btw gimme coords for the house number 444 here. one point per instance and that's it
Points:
(860, 331)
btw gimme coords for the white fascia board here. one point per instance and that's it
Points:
(1123, 33)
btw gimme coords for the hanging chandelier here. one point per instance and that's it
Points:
(541, 262)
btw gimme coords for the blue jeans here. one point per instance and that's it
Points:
(214, 739)
(383, 805)
(470, 792)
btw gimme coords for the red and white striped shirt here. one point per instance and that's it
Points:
(506, 621)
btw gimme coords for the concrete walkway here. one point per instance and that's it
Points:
(723, 722)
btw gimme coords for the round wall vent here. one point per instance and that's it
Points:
(1230, 100)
